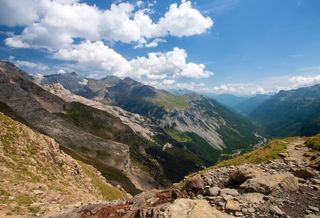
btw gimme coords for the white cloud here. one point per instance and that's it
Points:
(168, 82)
(95, 55)
(61, 71)
(183, 20)
(155, 43)
(15, 42)
(32, 65)
(17, 12)
(171, 64)
(305, 80)
(156, 66)
(55, 24)
(239, 89)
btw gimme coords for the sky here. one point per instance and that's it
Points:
(241, 47)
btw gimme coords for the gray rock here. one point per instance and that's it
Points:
(243, 173)
(214, 191)
(276, 210)
(314, 209)
(271, 183)
(229, 191)
(305, 173)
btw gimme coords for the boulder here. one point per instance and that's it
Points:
(271, 183)
(305, 173)
(315, 164)
(276, 210)
(182, 208)
(252, 198)
(233, 205)
(214, 191)
(244, 173)
(283, 155)
(229, 191)
(195, 183)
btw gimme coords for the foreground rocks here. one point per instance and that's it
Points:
(272, 183)
(286, 187)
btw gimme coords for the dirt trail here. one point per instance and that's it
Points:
(294, 151)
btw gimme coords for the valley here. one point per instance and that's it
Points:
(145, 138)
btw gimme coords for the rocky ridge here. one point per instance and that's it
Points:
(136, 122)
(288, 186)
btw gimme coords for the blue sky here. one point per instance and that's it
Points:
(220, 46)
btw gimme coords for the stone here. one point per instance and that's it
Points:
(233, 205)
(271, 183)
(182, 208)
(229, 191)
(253, 198)
(276, 210)
(316, 181)
(238, 214)
(240, 175)
(11, 198)
(311, 216)
(37, 192)
(315, 164)
(195, 183)
(283, 155)
(200, 197)
(214, 191)
(314, 209)
(227, 197)
(251, 210)
(304, 173)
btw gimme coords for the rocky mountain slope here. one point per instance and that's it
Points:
(280, 179)
(36, 176)
(288, 113)
(185, 113)
(43, 111)
(134, 151)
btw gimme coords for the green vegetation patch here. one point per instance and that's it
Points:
(108, 192)
(34, 210)
(178, 135)
(313, 142)
(169, 102)
(24, 199)
(268, 152)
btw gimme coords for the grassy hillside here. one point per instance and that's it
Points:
(169, 101)
(42, 174)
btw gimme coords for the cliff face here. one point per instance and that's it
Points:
(37, 176)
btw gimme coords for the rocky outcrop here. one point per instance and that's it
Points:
(244, 173)
(269, 190)
(182, 208)
(271, 183)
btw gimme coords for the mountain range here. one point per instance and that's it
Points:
(103, 138)
(139, 137)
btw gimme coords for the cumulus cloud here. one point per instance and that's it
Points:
(55, 24)
(95, 55)
(239, 89)
(32, 65)
(183, 20)
(155, 66)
